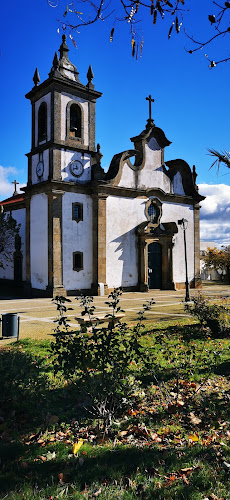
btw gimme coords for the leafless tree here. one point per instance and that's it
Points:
(81, 13)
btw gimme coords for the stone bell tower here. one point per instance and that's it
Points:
(63, 121)
(61, 158)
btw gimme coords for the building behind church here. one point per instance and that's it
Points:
(84, 230)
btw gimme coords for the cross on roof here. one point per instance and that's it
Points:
(149, 98)
(15, 187)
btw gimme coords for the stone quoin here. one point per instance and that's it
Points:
(84, 230)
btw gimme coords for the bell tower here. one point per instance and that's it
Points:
(60, 164)
(63, 123)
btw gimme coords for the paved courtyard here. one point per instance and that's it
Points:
(37, 315)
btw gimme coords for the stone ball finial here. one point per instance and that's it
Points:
(64, 38)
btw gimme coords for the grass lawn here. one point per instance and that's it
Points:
(173, 443)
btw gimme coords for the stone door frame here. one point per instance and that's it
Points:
(164, 237)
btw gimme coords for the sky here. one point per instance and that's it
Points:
(191, 105)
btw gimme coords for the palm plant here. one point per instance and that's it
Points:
(220, 157)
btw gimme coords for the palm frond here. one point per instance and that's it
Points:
(221, 157)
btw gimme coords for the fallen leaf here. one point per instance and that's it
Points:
(186, 469)
(185, 479)
(154, 436)
(194, 419)
(123, 433)
(194, 437)
(77, 446)
(97, 493)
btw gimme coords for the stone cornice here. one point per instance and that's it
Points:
(59, 83)
(101, 189)
(72, 145)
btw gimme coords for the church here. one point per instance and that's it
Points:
(84, 230)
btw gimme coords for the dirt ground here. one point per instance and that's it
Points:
(37, 315)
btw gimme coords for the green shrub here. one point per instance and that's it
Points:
(211, 315)
(98, 359)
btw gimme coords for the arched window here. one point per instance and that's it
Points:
(42, 122)
(75, 121)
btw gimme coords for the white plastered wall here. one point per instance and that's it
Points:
(39, 241)
(47, 99)
(152, 175)
(177, 184)
(84, 158)
(123, 215)
(172, 212)
(65, 98)
(7, 272)
(77, 237)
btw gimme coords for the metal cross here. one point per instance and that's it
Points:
(15, 187)
(150, 104)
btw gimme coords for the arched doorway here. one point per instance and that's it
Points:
(154, 265)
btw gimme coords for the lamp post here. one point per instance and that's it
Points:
(184, 224)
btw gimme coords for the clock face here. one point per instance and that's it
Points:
(40, 169)
(76, 168)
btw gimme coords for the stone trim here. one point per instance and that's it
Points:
(93, 187)
(146, 234)
(157, 202)
(67, 144)
(27, 248)
(33, 125)
(99, 244)
(55, 257)
(60, 83)
(91, 124)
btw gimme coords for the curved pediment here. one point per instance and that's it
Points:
(188, 177)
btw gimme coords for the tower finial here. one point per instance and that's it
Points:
(64, 48)
(36, 77)
(56, 61)
(90, 76)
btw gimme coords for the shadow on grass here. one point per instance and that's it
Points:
(118, 466)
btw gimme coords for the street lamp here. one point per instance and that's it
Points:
(184, 224)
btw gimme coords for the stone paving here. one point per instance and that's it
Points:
(37, 315)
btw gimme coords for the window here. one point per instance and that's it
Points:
(77, 212)
(77, 261)
(75, 121)
(152, 212)
(42, 122)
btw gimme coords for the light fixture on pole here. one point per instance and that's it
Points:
(184, 224)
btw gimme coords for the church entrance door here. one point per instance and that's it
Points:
(154, 265)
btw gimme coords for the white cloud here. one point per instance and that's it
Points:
(7, 175)
(214, 214)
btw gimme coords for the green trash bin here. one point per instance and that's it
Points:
(10, 327)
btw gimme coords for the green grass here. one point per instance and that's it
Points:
(145, 450)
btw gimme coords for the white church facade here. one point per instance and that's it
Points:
(84, 230)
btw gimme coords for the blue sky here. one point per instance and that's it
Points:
(191, 104)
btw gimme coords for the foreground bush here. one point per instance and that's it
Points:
(98, 359)
(214, 316)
